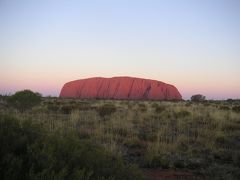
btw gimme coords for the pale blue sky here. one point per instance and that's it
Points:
(192, 44)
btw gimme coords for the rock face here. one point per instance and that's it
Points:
(120, 88)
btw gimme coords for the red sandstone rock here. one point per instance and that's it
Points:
(120, 88)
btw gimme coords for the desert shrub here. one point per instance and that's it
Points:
(52, 107)
(23, 100)
(182, 144)
(83, 106)
(133, 143)
(156, 160)
(142, 107)
(27, 151)
(3, 97)
(154, 105)
(67, 109)
(236, 159)
(236, 109)
(73, 102)
(179, 164)
(194, 164)
(160, 109)
(188, 104)
(118, 131)
(135, 150)
(231, 127)
(182, 114)
(220, 140)
(198, 97)
(15, 139)
(106, 110)
(56, 102)
(222, 171)
(147, 135)
(129, 105)
(225, 108)
(223, 156)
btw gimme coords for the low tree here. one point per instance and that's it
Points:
(3, 97)
(198, 97)
(23, 100)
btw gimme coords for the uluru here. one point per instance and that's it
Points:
(129, 88)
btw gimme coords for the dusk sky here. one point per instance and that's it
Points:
(192, 44)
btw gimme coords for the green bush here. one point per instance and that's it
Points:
(27, 151)
(198, 97)
(23, 100)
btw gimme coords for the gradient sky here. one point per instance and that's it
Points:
(192, 44)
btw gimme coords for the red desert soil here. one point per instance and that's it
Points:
(120, 88)
(160, 174)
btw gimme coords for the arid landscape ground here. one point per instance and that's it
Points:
(152, 139)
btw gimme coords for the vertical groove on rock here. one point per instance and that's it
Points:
(116, 90)
(108, 89)
(82, 88)
(145, 94)
(99, 88)
(130, 90)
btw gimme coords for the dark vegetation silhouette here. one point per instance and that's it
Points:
(198, 97)
(23, 100)
(27, 151)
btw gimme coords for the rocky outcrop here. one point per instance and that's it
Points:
(120, 88)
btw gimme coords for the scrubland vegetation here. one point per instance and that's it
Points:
(106, 139)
